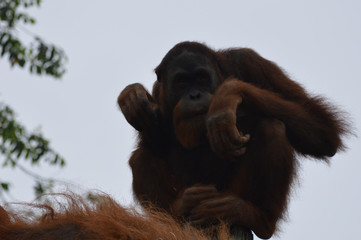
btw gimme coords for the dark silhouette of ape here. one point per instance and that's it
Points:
(218, 136)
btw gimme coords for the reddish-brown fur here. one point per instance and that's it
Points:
(106, 220)
(234, 158)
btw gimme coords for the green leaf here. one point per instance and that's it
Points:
(39, 189)
(21, 62)
(2, 36)
(5, 186)
(38, 69)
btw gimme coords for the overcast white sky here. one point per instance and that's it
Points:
(111, 44)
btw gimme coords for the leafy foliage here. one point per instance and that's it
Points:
(43, 58)
(16, 142)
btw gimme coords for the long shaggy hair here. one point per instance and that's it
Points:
(75, 219)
